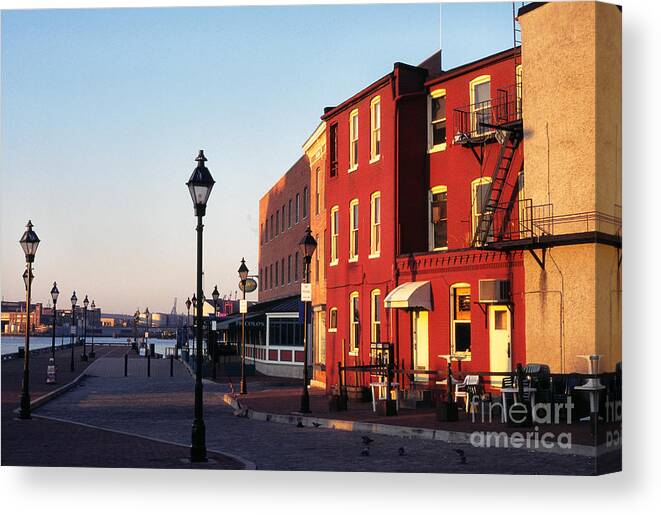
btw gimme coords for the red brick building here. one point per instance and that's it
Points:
(409, 171)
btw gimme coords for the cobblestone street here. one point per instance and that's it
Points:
(162, 408)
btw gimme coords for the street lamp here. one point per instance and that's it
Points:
(199, 185)
(194, 299)
(74, 300)
(29, 243)
(93, 306)
(215, 295)
(86, 303)
(136, 319)
(146, 330)
(188, 303)
(308, 245)
(243, 275)
(54, 293)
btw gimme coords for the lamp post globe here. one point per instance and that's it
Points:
(54, 294)
(93, 307)
(199, 185)
(243, 275)
(74, 301)
(86, 303)
(29, 243)
(308, 246)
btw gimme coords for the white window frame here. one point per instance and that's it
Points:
(375, 326)
(353, 140)
(519, 89)
(354, 225)
(477, 81)
(432, 192)
(375, 129)
(332, 328)
(334, 225)
(375, 226)
(466, 356)
(475, 215)
(431, 148)
(354, 346)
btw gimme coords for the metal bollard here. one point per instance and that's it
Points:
(148, 365)
(171, 365)
(126, 365)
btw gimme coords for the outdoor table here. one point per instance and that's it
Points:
(515, 391)
(383, 384)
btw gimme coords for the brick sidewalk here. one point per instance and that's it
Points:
(268, 396)
(49, 443)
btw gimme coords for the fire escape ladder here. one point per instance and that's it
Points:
(509, 142)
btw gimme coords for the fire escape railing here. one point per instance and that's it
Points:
(479, 121)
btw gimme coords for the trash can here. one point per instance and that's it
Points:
(152, 350)
(21, 352)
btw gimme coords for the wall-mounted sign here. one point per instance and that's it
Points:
(243, 306)
(306, 292)
(251, 285)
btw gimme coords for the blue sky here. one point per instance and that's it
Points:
(103, 111)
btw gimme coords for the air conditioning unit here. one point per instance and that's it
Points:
(494, 291)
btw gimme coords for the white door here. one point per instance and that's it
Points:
(420, 343)
(500, 345)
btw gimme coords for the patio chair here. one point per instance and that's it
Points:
(467, 389)
(540, 379)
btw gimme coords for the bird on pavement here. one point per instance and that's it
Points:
(300, 424)
(367, 440)
(365, 452)
(401, 451)
(462, 455)
(316, 424)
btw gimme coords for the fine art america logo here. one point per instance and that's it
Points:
(538, 413)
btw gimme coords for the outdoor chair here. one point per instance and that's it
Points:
(467, 389)
(540, 379)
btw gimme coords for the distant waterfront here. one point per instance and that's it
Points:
(11, 344)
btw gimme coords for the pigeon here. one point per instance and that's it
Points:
(367, 440)
(300, 424)
(462, 455)
(365, 452)
(401, 451)
(316, 424)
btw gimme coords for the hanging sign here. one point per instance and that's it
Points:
(306, 292)
(243, 306)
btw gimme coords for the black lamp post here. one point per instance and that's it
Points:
(136, 319)
(199, 185)
(243, 275)
(54, 293)
(146, 330)
(29, 243)
(188, 303)
(215, 295)
(74, 300)
(86, 303)
(194, 299)
(93, 306)
(308, 245)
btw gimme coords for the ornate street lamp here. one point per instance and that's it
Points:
(194, 299)
(54, 293)
(243, 275)
(136, 319)
(93, 306)
(215, 295)
(147, 330)
(308, 245)
(86, 303)
(199, 185)
(74, 301)
(29, 243)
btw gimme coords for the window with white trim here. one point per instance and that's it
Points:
(375, 129)
(480, 189)
(438, 218)
(332, 320)
(298, 207)
(436, 114)
(353, 140)
(334, 226)
(375, 316)
(354, 323)
(480, 97)
(460, 315)
(375, 224)
(353, 230)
